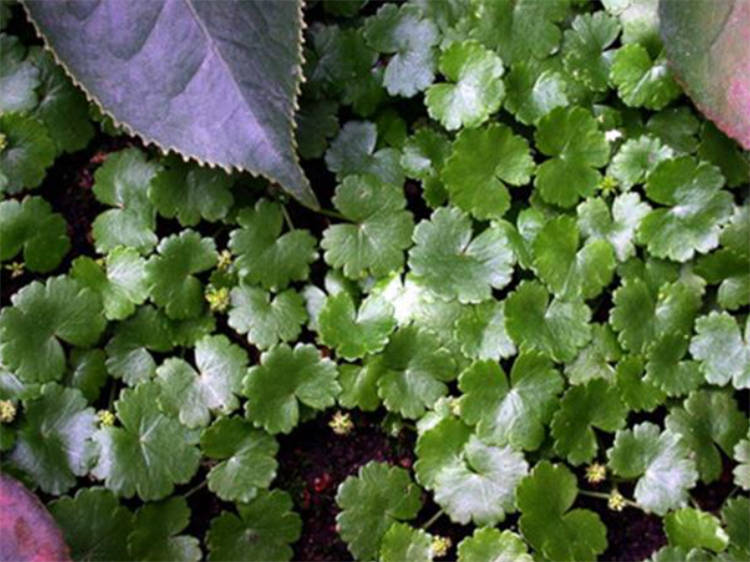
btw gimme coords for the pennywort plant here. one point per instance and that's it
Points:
(532, 255)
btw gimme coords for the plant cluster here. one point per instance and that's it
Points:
(536, 257)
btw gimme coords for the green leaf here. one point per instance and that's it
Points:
(353, 152)
(558, 328)
(359, 387)
(512, 412)
(474, 90)
(26, 154)
(697, 207)
(595, 404)
(722, 349)
(404, 542)
(149, 453)
(88, 372)
(677, 127)
(472, 481)
(409, 38)
(483, 161)
(534, 88)
(636, 159)
(238, 83)
(247, 459)
(193, 395)
(31, 226)
(122, 182)
(488, 543)
(94, 524)
(191, 193)
(316, 123)
(379, 231)
(660, 462)
(595, 360)
(285, 378)
(584, 49)
(619, 227)
(736, 516)
(423, 157)
(371, 502)
(19, 78)
(742, 470)
(262, 530)
(264, 255)
(355, 333)
(480, 331)
(545, 497)
(701, 45)
(519, 29)
(666, 368)
(708, 418)
(41, 315)
(721, 151)
(567, 271)
(62, 107)
(640, 80)
(412, 371)
(571, 137)
(449, 262)
(266, 319)
(122, 282)
(692, 528)
(639, 20)
(635, 392)
(171, 273)
(156, 529)
(129, 351)
(53, 442)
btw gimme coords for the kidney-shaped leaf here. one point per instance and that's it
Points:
(216, 81)
(706, 43)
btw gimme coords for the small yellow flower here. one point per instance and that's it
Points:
(440, 546)
(608, 184)
(106, 418)
(455, 406)
(101, 262)
(595, 473)
(218, 298)
(16, 269)
(616, 501)
(3, 142)
(341, 423)
(225, 260)
(7, 411)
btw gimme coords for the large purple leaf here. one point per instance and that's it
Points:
(27, 530)
(212, 79)
(708, 46)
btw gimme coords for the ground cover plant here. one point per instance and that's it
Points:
(516, 327)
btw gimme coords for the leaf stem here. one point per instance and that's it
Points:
(432, 519)
(332, 214)
(603, 496)
(194, 489)
(287, 218)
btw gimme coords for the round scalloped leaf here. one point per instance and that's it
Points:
(353, 152)
(736, 516)
(149, 453)
(741, 454)
(229, 102)
(285, 378)
(53, 441)
(706, 43)
(545, 497)
(488, 543)
(31, 226)
(26, 151)
(404, 542)
(262, 530)
(692, 528)
(660, 461)
(155, 533)
(61, 309)
(19, 78)
(94, 523)
(28, 531)
(723, 349)
(246, 458)
(370, 502)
